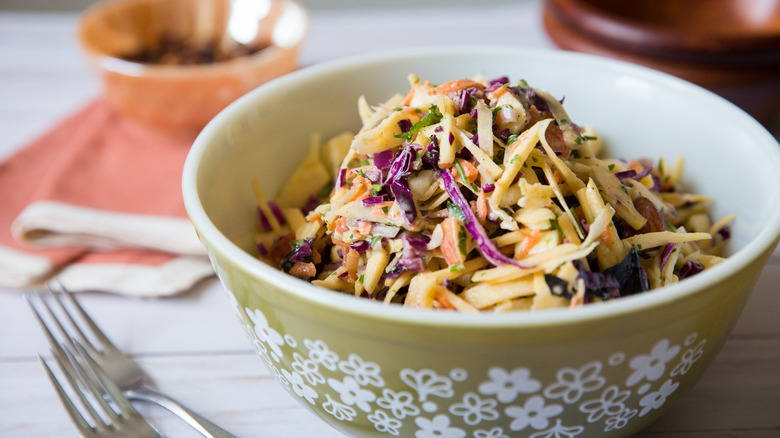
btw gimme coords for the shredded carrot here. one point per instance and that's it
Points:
(511, 148)
(364, 189)
(316, 257)
(500, 91)
(456, 85)
(338, 225)
(471, 172)
(351, 261)
(377, 209)
(636, 165)
(365, 228)
(606, 237)
(530, 238)
(340, 243)
(440, 295)
(450, 228)
(313, 216)
(409, 96)
(482, 207)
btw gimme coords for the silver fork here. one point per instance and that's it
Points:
(105, 412)
(122, 370)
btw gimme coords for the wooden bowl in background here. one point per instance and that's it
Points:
(731, 47)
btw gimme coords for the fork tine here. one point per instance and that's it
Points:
(53, 342)
(67, 361)
(73, 412)
(79, 372)
(77, 327)
(124, 406)
(101, 337)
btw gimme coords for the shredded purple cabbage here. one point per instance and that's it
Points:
(405, 125)
(395, 271)
(633, 174)
(374, 200)
(504, 135)
(646, 171)
(414, 246)
(598, 284)
(301, 252)
(413, 254)
(463, 99)
(312, 203)
(383, 159)
(630, 274)
(498, 81)
(667, 252)
(401, 165)
(264, 224)
(412, 264)
(374, 175)
(403, 197)
(277, 212)
(630, 173)
(656, 184)
(361, 246)
(430, 158)
(341, 178)
(484, 245)
(690, 268)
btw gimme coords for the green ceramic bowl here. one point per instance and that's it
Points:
(372, 370)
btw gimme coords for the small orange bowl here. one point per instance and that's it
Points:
(731, 47)
(179, 99)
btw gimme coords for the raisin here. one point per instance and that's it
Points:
(655, 221)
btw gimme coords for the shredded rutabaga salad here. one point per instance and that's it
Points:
(479, 195)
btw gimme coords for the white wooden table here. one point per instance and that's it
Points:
(192, 346)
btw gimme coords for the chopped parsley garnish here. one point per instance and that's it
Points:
(556, 226)
(433, 117)
(462, 241)
(455, 211)
(456, 268)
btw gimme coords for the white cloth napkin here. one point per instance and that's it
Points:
(96, 202)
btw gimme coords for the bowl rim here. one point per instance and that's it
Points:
(118, 65)
(764, 241)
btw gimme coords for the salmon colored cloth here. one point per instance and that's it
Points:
(96, 201)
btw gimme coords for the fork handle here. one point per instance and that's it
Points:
(202, 425)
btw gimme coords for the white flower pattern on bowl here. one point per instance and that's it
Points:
(429, 406)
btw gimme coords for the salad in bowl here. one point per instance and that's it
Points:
(483, 195)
